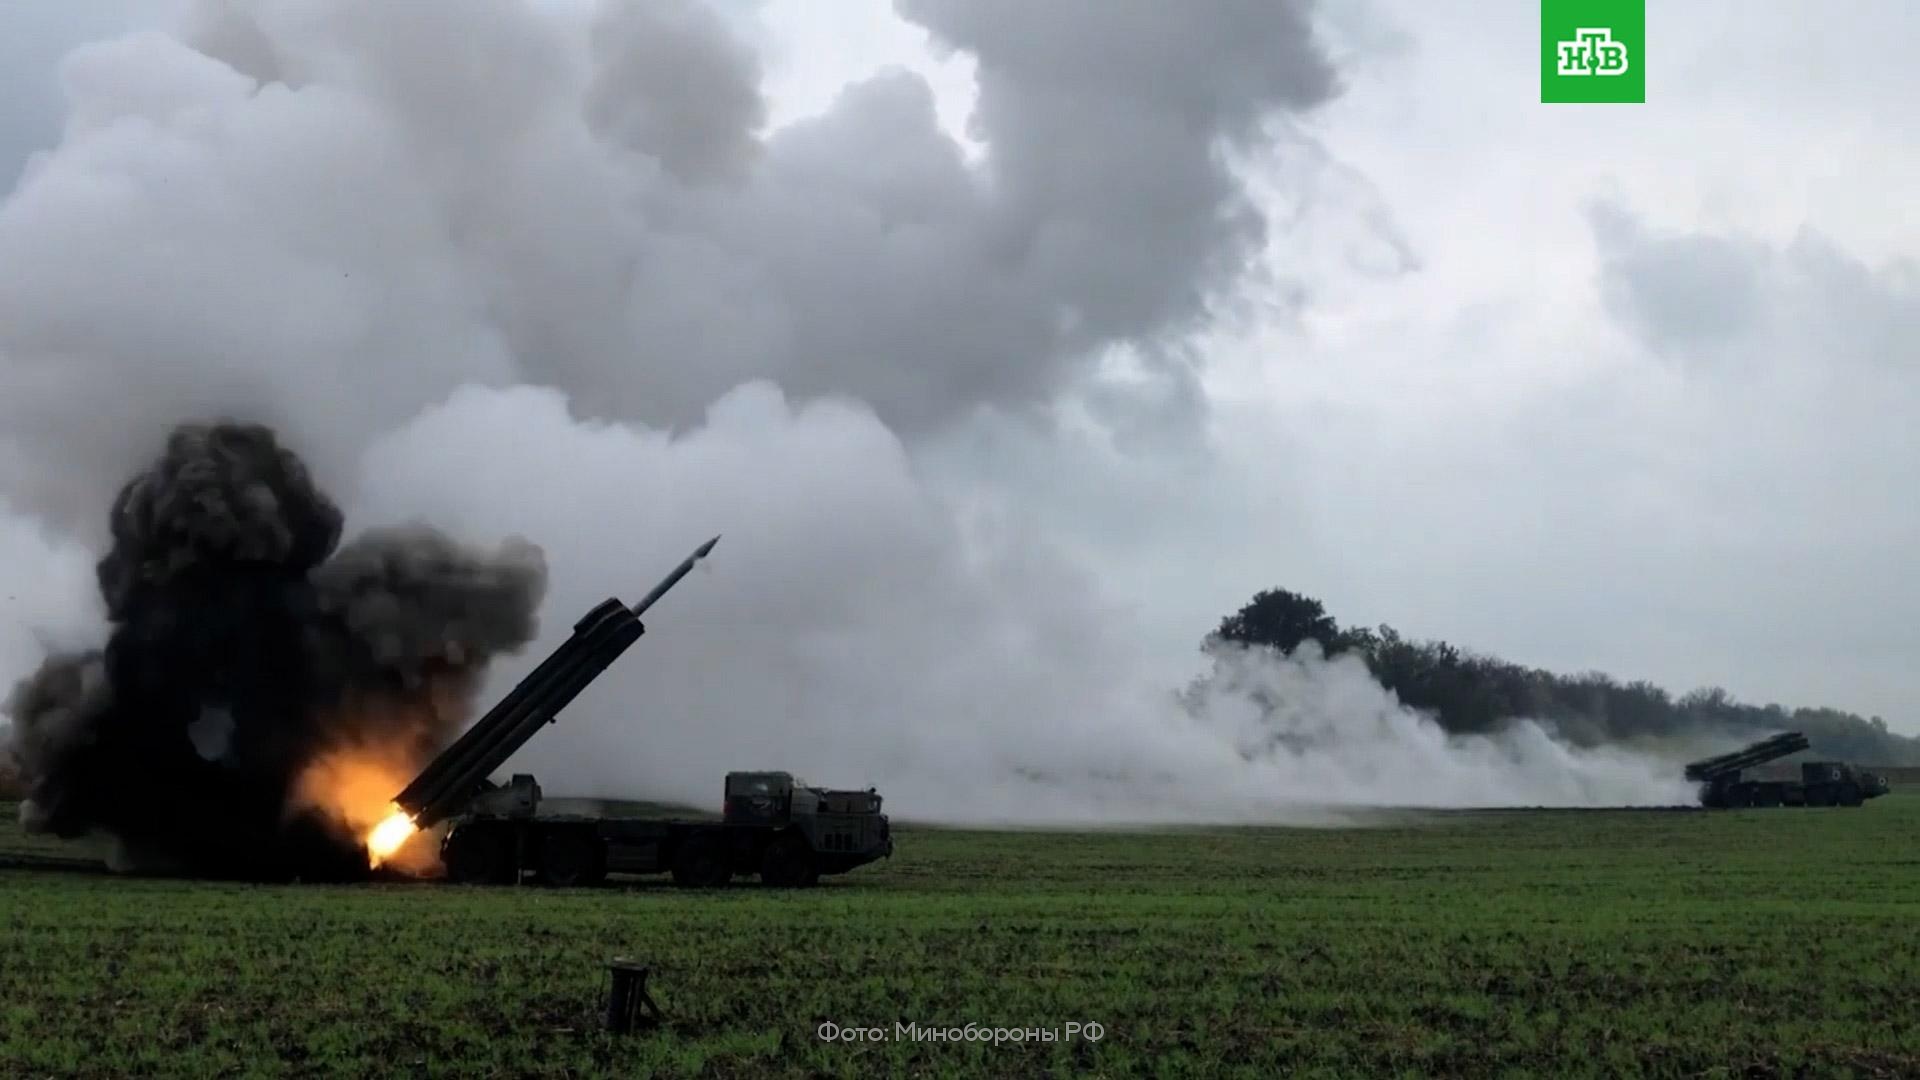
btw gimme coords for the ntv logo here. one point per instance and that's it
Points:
(1593, 52)
(1581, 39)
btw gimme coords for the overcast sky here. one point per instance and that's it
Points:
(1620, 387)
(1628, 387)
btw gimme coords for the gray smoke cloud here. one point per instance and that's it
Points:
(54, 711)
(497, 192)
(412, 601)
(223, 495)
(672, 84)
(240, 655)
(542, 270)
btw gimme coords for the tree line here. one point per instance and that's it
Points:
(1468, 692)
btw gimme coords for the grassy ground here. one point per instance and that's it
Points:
(1757, 943)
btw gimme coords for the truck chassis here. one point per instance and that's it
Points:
(568, 850)
(1821, 783)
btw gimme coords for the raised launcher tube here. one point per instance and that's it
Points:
(1707, 770)
(453, 777)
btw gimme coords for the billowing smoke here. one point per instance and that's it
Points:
(541, 269)
(858, 626)
(245, 651)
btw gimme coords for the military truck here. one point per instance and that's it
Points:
(1821, 783)
(786, 833)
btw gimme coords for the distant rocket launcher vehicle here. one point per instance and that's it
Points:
(460, 771)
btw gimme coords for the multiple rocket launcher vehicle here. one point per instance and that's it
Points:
(1821, 783)
(786, 832)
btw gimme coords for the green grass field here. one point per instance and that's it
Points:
(1757, 943)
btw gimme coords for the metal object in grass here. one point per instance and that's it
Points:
(628, 1003)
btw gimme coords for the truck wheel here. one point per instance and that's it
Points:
(701, 864)
(1850, 795)
(788, 864)
(569, 857)
(477, 858)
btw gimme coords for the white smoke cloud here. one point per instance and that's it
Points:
(485, 265)
(858, 627)
(47, 593)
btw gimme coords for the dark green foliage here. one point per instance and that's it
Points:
(1468, 692)
(1282, 620)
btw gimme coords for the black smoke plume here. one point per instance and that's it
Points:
(245, 646)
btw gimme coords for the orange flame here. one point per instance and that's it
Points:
(387, 837)
(355, 786)
(385, 740)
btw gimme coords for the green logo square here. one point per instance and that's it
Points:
(1593, 50)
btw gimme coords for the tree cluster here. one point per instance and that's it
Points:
(1469, 692)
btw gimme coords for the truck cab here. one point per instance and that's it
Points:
(842, 828)
(1835, 783)
(758, 798)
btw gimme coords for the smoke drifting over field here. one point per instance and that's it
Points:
(858, 628)
(497, 266)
